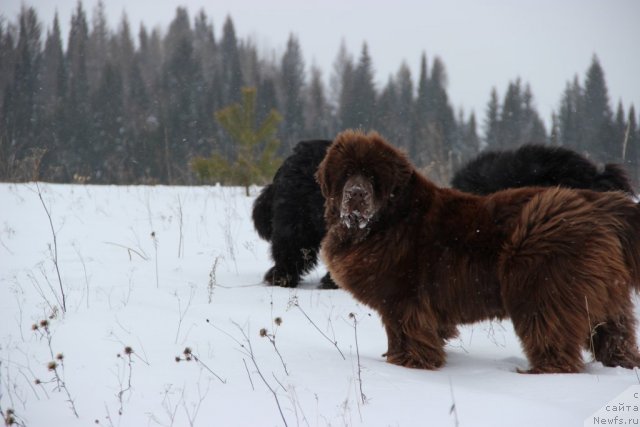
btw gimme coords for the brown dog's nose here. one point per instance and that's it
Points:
(357, 194)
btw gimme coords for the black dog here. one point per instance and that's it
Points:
(290, 214)
(539, 166)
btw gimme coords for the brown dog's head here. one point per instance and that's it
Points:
(359, 177)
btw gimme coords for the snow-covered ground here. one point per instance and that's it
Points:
(150, 271)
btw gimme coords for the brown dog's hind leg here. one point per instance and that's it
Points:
(613, 342)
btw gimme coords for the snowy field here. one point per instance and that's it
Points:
(148, 272)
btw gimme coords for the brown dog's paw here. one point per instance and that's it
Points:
(551, 370)
(414, 361)
(630, 360)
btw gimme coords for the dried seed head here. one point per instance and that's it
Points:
(352, 316)
(34, 327)
(178, 360)
(128, 351)
(60, 356)
(278, 321)
(187, 351)
(52, 366)
(37, 381)
(263, 332)
(44, 323)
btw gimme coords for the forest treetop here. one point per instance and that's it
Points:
(136, 106)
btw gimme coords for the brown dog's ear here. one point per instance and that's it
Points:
(322, 177)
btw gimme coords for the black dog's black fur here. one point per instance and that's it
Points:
(538, 165)
(289, 212)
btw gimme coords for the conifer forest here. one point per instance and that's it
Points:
(182, 105)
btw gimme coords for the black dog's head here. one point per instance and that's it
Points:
(359, 177)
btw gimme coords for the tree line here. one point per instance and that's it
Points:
(114, 107)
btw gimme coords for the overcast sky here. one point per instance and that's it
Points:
(483, 43)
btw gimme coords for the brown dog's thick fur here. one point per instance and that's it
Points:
(561, 263)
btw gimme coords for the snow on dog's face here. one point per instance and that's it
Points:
(359, 178)
(358, 203)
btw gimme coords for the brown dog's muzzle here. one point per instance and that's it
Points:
(357, 207)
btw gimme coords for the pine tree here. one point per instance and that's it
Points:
(231, 75)
(618, 133)
(22, 114)
(471, 139)
(597, 119)
(511, 117)
(53, 70)
(53, 95)
(361, 109)
(422, 114)
(108, 158)
(387, 109)
(345, 84)
(26, 81)
(403, 126)
(97, 46)
(255, 161)
(181, 74)
(122, 51)
(533, 129)
(441, 131)
(340, 76)
(571, 131)
(632, 148)
(77, 138)
(492, 122)
(7, 54)
(317, 114)
(292, 83)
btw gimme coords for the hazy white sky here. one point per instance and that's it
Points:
(483, 43)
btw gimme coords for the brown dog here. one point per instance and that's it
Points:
(560, 263)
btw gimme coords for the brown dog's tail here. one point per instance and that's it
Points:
(262, 213)
(630, 239)
(627, 227)
(567, 221)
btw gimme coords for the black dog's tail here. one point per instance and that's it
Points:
(262, 213)
(614, 178)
